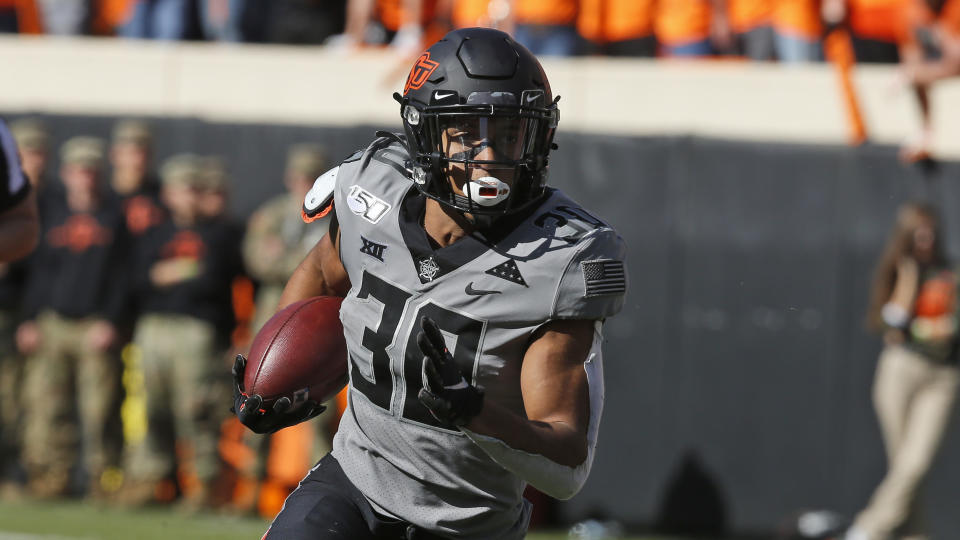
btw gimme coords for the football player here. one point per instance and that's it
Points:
(19, 224)
(474, 302)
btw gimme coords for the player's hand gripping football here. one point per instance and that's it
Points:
(445, 393)
(251, 413)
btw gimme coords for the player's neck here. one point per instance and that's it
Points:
(444, 226)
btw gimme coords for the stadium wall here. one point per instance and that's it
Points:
(738, 375)
(316, 86)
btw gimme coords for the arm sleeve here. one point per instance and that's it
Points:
(558, 481)
(594, 282)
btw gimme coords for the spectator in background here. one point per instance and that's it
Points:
(184, 270)
(744, 27)
(18, 235)
(276, 241)
(873, 25)
(618, 27)
(168, 20)
(547, 27)
(914, 305)
(400, 22)
(132, 180)
(683, 28)
(453, 14)
(110, 15)
(65, 17)
(213, 188)
(797, 31)
(20, 16)
(929, 52)
(305, 22)
(76, 296)
(223, 19)
(33, 141)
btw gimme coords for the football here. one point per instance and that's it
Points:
(299, 353)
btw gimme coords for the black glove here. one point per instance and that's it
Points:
(251, 414)
(445, 393)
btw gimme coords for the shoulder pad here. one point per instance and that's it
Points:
(354, 156)
(594, 281)
(319, 200)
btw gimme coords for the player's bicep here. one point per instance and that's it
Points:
(321, 273)
(553, 381)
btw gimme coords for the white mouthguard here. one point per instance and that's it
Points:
(487, 191)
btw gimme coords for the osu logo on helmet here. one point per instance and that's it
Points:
(420, 73)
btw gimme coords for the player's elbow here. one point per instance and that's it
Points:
(575, 453)
(565, 492)
(565, 483)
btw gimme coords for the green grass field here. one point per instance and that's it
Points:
(75, 521)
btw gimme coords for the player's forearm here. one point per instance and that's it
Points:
(306, 282)
(557, 441)
(551, 456)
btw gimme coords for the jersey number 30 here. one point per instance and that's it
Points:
(381, 389)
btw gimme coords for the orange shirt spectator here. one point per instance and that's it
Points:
(918, 16)
(875, 19)
(798, 18)
(683, 27)
(394, 15)
(743, 28)
(618, 27)
(109, 15)
(929, 41)
(605, 21)
(745, 15)
(20, 16)
(546, 27)
(470, 13)
(545, 12)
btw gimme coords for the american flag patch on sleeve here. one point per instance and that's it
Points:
(603, 277)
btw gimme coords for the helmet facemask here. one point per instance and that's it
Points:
(485, 155)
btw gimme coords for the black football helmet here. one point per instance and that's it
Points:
(478, 100)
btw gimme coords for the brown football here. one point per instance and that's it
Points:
(299, 353)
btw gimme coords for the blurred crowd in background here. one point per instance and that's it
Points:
(118, 333)
(784, 30)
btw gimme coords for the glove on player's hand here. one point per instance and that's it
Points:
(249, 409)
(445, 393)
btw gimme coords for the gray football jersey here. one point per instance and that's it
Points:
(488, 296)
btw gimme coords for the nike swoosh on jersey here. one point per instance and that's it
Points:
(477, 292)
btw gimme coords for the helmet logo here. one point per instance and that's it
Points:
(420, 73)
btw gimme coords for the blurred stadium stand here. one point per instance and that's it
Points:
(752, 229)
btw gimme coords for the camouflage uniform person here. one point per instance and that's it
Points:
(275, 243)
(33, 140)
(33, 143)
(132, 180)
(213, 188)
(276, 239)
(76, 296)
(184, 270)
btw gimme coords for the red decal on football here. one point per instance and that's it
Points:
(299, 353)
